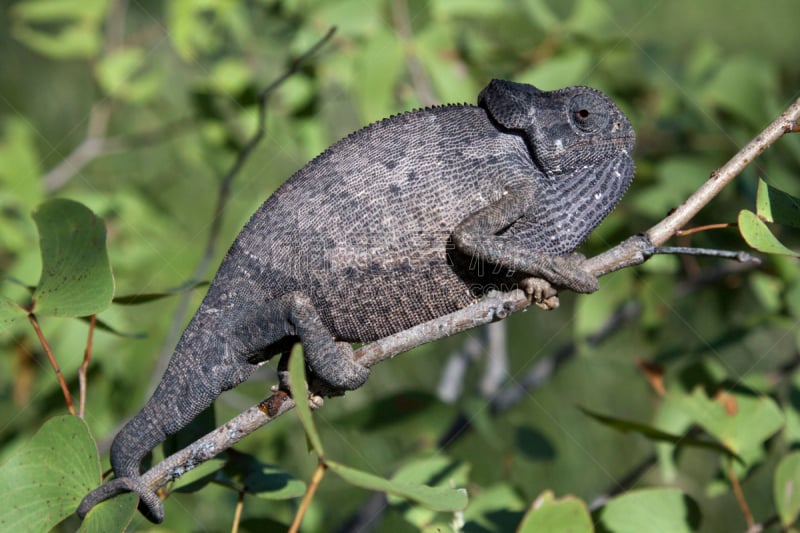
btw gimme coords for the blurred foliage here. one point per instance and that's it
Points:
(137, 110)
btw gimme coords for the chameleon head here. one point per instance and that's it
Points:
(565, 129)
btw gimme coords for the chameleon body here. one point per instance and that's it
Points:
(399, 223)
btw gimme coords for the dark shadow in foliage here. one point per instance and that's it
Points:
(392, 411)
(728, 338)
(502, 520)
(794, 400)
(534, 445)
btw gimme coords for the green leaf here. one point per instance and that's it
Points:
(741, 421)
(44, 482)
(104, 326)
(10, 312)
(774, 205)
(146, 297)
(436, 498)
(76, 276)
(550, 514)
(787, 488)
(651, 511)
(656, 434)
(111, 516)
(297, 380)
(436, 471)
(756, 233)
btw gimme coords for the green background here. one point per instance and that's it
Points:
(171, 90)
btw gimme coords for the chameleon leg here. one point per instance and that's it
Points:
(330, 361)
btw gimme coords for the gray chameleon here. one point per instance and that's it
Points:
(404, 221)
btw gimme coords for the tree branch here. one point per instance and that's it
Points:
(496, 306)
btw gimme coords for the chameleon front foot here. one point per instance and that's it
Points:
(541, 293)
(149, 503)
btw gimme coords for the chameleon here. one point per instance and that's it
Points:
(404, 221)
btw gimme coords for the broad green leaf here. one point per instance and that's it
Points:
(650, 511)
(10, 312)
(550, 514)
(742, 422)
(436, 498)
(756, 233)
(297, 380)
(44, 482)
(111, 516)
(656, 434)
(774, 205)
(787, 488)
(76, 276)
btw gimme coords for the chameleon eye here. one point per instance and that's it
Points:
(589, 112)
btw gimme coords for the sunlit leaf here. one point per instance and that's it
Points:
(741, 421)
(774, 205)
(651, 511)
(563, 514)
(44, 482)
(76, 276)
(756, 233)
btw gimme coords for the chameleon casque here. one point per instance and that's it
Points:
(401, 222)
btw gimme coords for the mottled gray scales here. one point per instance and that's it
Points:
(402, 222)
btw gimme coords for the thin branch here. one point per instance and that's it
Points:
(87, 357)
(698, 229)
(61, 381)
(494, 306)
(742, 257)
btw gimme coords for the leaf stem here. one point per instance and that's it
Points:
(87, 356)
(313, 485)
(53, 363)
(237, 516)
(737, 491)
